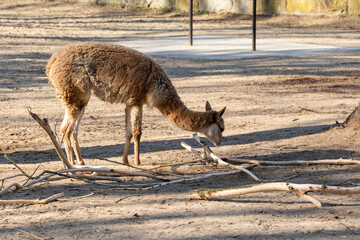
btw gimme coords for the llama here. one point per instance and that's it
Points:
(118, 74)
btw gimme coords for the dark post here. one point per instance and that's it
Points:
(191, 21)
(254, 26)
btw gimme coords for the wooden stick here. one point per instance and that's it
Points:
(172, 171)
(311, 199)
(83, 177)
(258, 162)
(6, 189)
(301, 189)
(84, 168)
(219, 161)
(17, 166)
(33, 201)
(294, 162)
(45, 125)
(156, 185)
(46, 175)
(31, 176)
(87, 169)
(265, 163)
(182, 180)
(189, 148)
(76, 198)
(202, 143)
(179, 169)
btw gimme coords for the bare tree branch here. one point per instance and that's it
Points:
(218, 160)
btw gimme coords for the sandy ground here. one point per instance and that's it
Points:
(277, 109)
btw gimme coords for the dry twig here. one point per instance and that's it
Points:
(218, 160)
(33, 201)
(182, 180)
(17, 166)
(176, 170)
(300, 189)
(8, 188)
(295, 162)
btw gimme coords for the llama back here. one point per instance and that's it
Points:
(114, 73)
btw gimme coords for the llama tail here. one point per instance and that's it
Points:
(50, 63)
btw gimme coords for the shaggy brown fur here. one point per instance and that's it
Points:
(118, 74)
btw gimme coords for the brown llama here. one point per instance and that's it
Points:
(118, 74)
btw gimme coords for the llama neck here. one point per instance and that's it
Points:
(164, 97)
(177, 113)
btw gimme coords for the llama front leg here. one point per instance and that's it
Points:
(137, 133)
(128, 134)
(74, 139)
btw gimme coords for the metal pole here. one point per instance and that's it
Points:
(191, 22)
(254, 27)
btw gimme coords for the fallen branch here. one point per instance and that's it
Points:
(46, 175)
(43, 177)
(17, 166)
(189, 148)
(76, 198)
(177, 170)
(45, 125)
(300, 189)
(8, 188)
(31, 176)
(182, 180)
(33, 201)
(295, 162)
(223, 160)
(98, 170)
(217, 159)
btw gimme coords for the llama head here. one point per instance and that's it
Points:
(213, 131)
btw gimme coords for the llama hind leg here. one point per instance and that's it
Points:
(67, 128)
(128, 134)
(137, 133)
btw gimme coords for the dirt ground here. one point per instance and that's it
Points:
(278, 108)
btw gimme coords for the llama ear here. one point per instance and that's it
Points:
(220, 113)
(207, 106)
